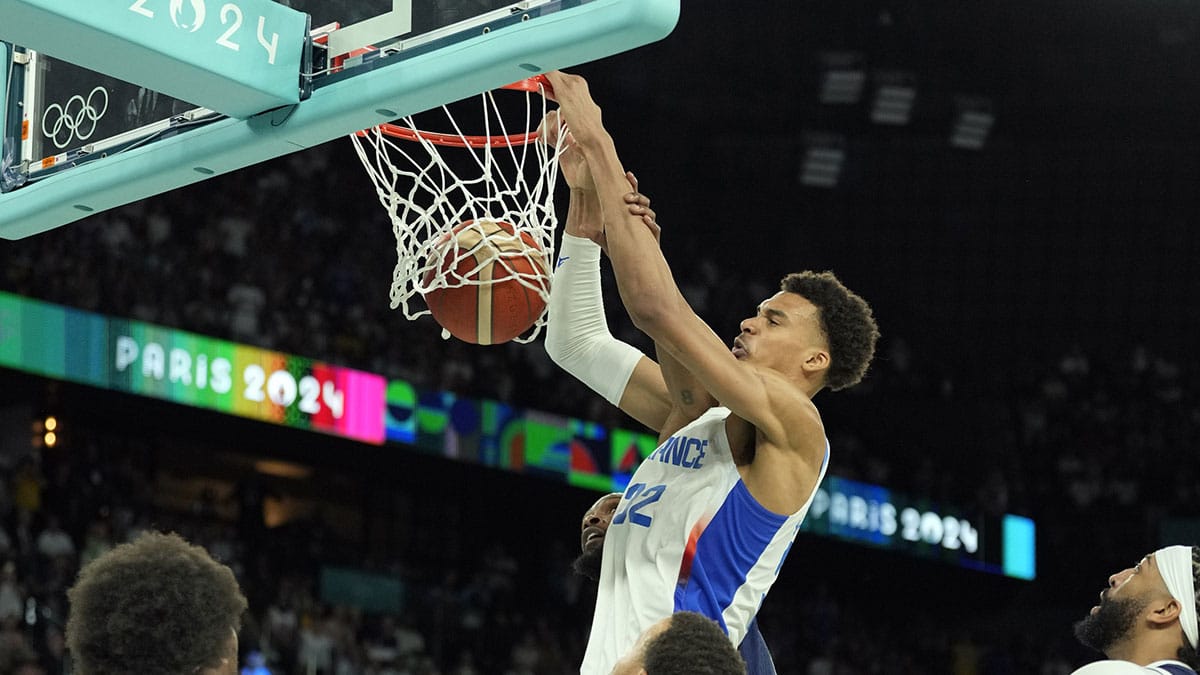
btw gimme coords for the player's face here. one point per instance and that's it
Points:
(1133, 582)
(786, 326)
(1116, 617)
(596, 521)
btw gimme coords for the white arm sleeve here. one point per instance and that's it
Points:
(577, 335)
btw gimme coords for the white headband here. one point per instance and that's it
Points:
(1175, 566)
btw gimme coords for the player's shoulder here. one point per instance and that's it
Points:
(1127, 668)
(804, 430)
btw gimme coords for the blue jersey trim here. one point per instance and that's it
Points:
(726, 551)
(1176, 670)
(755, 653)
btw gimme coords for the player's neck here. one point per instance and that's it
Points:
(1150, 648)
(809, 386)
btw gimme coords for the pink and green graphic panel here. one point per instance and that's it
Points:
(524, 441)
(190, 369)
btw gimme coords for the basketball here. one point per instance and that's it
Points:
(496, 278)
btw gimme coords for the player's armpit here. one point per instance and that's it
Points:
(688, 398)
(645, 398)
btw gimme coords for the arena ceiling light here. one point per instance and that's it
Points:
(843, 76)
(973, 121)
(824, 155)
(895, 93)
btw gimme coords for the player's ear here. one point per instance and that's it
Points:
(1164, 611)
(816, 360)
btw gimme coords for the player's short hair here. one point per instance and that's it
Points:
(692, 645)
(1187, 653)
(847, 321)
(154, 605)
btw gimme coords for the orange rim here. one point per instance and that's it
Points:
(536, 84)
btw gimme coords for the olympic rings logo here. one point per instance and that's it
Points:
(74, 118)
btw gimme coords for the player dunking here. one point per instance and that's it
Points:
(580, 329)
(709, 516)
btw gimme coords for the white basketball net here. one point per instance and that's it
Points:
(426, 194)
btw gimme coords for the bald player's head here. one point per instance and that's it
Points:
(591, 535)
(684, 643)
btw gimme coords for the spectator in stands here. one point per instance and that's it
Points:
(54, 542)
(27, 484)
(12, 595)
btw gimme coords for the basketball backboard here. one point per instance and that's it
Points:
(175, 110)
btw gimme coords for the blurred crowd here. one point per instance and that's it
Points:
(488, 610)
(1094, 444)
(506, 610)
(63, 509)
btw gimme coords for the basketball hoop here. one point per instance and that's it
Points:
(496, 175)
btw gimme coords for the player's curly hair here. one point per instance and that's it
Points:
(1187, 653)
(155, 606)
(692, 645)
(847, 321)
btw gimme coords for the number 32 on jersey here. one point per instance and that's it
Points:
(637, 497)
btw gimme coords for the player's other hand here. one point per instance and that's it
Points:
(574, 167)
(639, 205)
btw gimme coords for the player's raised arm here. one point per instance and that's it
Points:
(689, 398)
(663, 396)
(577, 335)
(652, 298)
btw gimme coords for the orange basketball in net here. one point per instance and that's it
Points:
(494, 282)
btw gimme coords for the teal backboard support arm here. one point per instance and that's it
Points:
(239, 58)
(7, 136)
(562, 35)
(12, 84)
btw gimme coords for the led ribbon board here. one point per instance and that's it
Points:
(169, 364)
(194, 370)
(589, 455)
(876, 516)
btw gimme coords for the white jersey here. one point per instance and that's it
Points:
(687, 535)
(1127, 668)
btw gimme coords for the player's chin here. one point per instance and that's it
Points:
(588, 563)
(594, 544)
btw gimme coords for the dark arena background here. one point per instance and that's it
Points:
(1012, 185)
